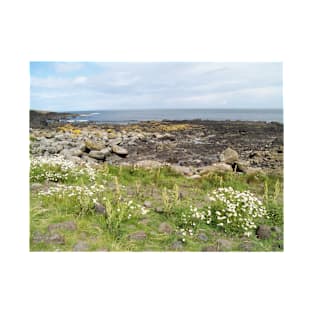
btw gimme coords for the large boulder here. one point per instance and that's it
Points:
(148, 164)
(119, 150)
(98, 155)
(220, 167)
(229, 156)
(183, 170)
(55, 148)
(93, 145)
(241, 166)
(116, 141)
(76, 152)
(106, 151)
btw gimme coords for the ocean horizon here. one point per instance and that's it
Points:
(134, 116)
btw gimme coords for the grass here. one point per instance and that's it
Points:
(139, 200)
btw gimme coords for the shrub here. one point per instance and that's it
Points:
(235, 211)
(190, 218)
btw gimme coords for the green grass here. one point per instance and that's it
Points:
(165, 190)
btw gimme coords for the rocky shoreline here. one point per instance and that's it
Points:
(193, 148)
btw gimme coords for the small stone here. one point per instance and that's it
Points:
(224, 244)
(140, 235)
(183, 170)
(165, 228)
(246, 246)
(83, 147)
(144, 221)
(69, 225)
(276, 229)
(177, 245)
(203, 237)
(209, 249)
(196, 176)
(49, 135)
(263, 232)
(81, 246)
(49, 239)
(100, 208)
(159, 210)
(102, 250)
(147, 204)
(35, 186)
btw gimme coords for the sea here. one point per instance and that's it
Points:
(135, 116)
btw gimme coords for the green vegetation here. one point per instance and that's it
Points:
(118, 208)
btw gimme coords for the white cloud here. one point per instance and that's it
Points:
(80, 80)
(64, 67)
(161, 85)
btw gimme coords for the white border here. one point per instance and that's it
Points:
(155, 31)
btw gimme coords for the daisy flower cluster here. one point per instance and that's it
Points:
(191, 218)
(94, 192)
(234, 210)
(58, 169)
(130, 209)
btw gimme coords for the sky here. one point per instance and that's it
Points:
(78, 86)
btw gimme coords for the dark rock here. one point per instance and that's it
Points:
(241, 166)
(69, 225)
(140, 235)
(263, 232)
(99, 208)
(177, 245)
(224, 244)
(165, 228)
(276, 229)
(81, 246)
(203, 237)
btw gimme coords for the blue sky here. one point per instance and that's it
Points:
(71, 86)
